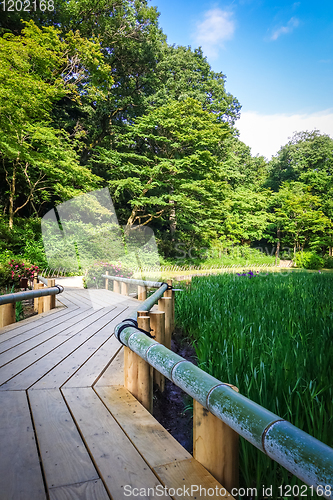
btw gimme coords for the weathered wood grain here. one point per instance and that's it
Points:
(63, 453)
(20, 472)
(90, 490)
(116, 459)
(100, 331)
(114, 373)
(47, 356)
(189, 474)
(150, 438)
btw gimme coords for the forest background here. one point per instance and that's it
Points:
(92, 96)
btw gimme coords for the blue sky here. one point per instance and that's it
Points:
(277, 57)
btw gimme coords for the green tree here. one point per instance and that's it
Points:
(166, 170)
(185, 73)
(308, 158)
(247, 217)
(37, 160)
(297, 217)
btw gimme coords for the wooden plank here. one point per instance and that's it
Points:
(186, 474)
(30, 324)
(16, 347)
(103, 329)
(149, 437)
(90, 294)
(63, 453)
(20, 472)
(14, 367)
(92, 369)
(80, 300)
(114, 374)
(26, 370)
(118, 462)
(90, 490)
(215, 446)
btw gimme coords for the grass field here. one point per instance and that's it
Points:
(271, 336)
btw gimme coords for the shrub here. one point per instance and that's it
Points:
(34, 252)
(5, 275)
(19, 269)
(93, 277)
(328, 262)
(309, 260)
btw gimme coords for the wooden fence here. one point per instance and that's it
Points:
(43, 294)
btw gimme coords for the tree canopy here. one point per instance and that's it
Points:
(92, 96)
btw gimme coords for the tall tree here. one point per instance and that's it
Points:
(297, 217)
(183, 73)
(166, 169)
(38, 161)
(308, 158)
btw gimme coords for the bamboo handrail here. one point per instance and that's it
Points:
(42, 279)
(301, 454)
(151, 284)
(10, 298)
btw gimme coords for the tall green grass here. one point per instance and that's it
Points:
(271, 336)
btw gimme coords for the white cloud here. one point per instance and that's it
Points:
(214, 30)
(283, 30)
(265, 134)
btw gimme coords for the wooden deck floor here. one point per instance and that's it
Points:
(68, 428)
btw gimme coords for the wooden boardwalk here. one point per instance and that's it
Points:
(69, 430)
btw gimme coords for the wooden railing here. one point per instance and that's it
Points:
(44, 299)
(221, 414)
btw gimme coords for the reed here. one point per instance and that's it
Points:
(271, 336)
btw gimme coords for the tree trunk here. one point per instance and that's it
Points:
(172, 218)
(278, 234)
(330, 251)
(12, 186)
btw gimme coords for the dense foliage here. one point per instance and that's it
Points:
(270, 335)
(93, 279)
(92, 96)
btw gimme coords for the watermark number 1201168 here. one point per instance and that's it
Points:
(27, 5)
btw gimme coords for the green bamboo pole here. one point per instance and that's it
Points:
(301, 454)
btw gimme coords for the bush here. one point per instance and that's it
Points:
(309, 260)
(5, 275)
(12, 270)
(24, 229)
(328, 262)
(34, 252)
(93, 277)
(21, 269)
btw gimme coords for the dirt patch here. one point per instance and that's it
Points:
(173, 408)
(28, 310)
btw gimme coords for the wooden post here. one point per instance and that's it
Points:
(40, 300)
(142, 292)
(116, 286)
(7, 314)
(165, 305)
(49, 300)
(138, 373)
(171, 293)
(157, 325)
(124, 288)
(36, 286)
(215, 446)
(106, 281)
(142, 313)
